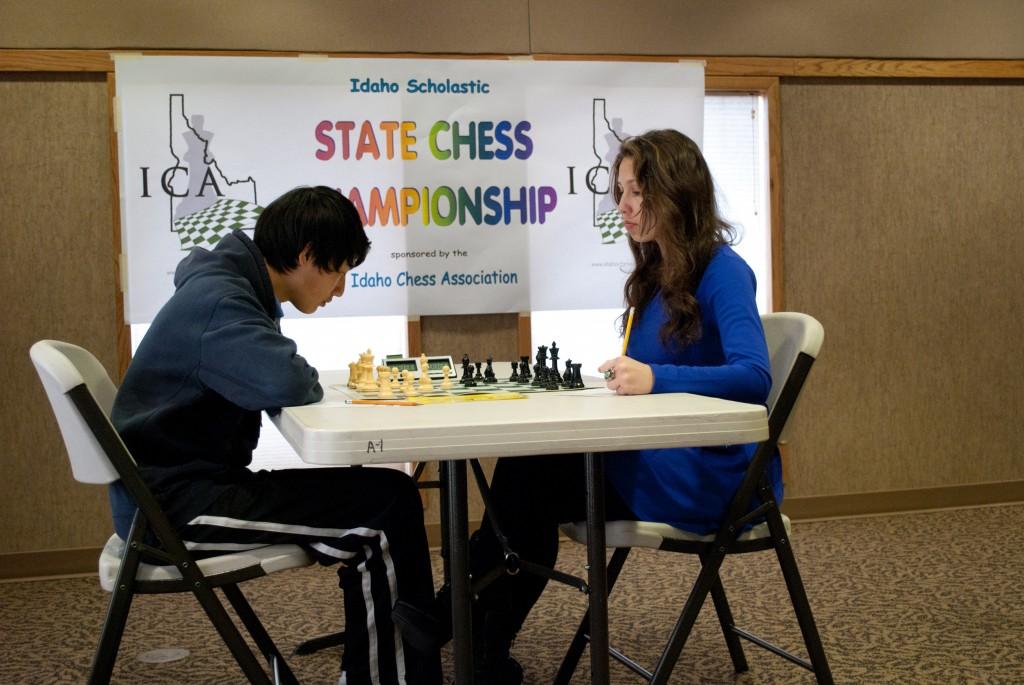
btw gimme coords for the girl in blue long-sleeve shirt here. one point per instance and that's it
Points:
(697, 330)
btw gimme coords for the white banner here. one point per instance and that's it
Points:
(483, 183)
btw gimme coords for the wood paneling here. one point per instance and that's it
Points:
(903, 236)
(479, 335)
(307, 25)
(56, 281)
(928, 29)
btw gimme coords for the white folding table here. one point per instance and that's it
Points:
(335, 432)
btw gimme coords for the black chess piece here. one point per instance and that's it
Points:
(577, 376)
(524, 369)
(514, 378)
(554, 358)
(489, 371)
(465, 366)
(542, 355)
(567, 377)
(539, 371)
(478, 376)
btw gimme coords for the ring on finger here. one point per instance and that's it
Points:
(609, 374)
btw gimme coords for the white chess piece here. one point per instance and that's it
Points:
(384, 386)
(407, 387)
(426, 384)
(365, 382)
(447, 382)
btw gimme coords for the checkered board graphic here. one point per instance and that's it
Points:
(207, 226)
(500, 389)
(611, 226)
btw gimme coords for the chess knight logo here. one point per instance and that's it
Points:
(607, 138)
(204, 204)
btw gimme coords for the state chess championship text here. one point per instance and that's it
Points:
(404, 279)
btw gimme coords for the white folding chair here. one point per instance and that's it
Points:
(794, 340)
(82, 394)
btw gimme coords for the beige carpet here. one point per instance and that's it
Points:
(915, 598)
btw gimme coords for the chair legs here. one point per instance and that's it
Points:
(110, 639)
(802, 607)
(739, 659)
(282, 673)
(315, 644)
(117, 617)
(118, 607)
(229, 633)
(709, 582)
(706, 579)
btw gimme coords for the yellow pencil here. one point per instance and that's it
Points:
(387, 403)
(629, 325)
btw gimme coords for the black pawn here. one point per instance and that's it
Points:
(489, 371)
(478, 376)
(524, 369)
(514, 378)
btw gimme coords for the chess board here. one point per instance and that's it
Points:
(497, 390)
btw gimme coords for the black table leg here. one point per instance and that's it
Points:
(454, 476)
(597, 576)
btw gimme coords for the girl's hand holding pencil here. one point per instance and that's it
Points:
(624, 375)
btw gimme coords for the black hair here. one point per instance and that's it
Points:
(318, 217)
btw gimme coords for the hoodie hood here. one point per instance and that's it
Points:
(235, 257)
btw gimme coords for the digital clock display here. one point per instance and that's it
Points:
(435, 365)
(402, 364)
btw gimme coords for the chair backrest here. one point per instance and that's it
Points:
(789, 335)
(62, 367)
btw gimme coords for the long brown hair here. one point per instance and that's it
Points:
(679, 205)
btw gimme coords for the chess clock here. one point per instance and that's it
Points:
(435, 365)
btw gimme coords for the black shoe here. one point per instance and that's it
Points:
(419, 629)
(499, 671)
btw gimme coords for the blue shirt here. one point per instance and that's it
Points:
(690, 488)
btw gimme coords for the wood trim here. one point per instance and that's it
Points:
(524, 335)
(800, 67)
(415, 333)
(56, 60)
(903, 68)
(82, 560)
(123, 334)
(817, 67)
(778, 298)
(50, 562)
(751, 84)
(894, 501)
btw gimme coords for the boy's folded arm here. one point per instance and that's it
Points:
(247, 361)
